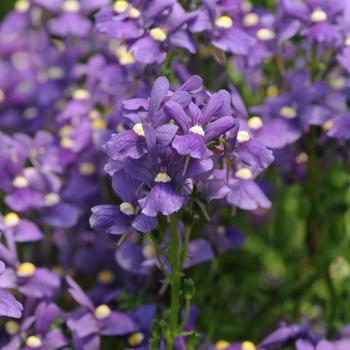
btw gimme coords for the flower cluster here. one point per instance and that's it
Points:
(147, 148)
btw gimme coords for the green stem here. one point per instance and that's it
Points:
(185, 245)
(175, 261)
(158, 254)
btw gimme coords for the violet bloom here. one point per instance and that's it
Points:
(133, 143)
(31, 281)
(339, 127)
(222, 29)
(319, 18)
(239, 189)
(43, 335)
(89, 322)
(127, 216)
(286, 116)
(198, 126)
(162, 172)
(285, 333)
(148, 30)
(22, 230)
(9, 306)
(302, 344)
(72, 20)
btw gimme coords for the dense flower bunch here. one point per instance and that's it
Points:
(141, 142)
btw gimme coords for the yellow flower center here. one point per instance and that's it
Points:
(158, 34)
(11, 219)
(162, 177)
(127, 208)
(2, 96)
(255, 123)
(124, 56)
(148, 251)
(20, 182)
(11, 327)
(302, 157)
(99, 123)
(338, 83)
(244, 174)
(67, 142)
(138, 129)
(272, 90)
(105, 276)
(87, 168)
(51, 199)
(71, 6)
(328, 125)
(251, 19)
(94, 114)
(288, 112)
(81, 94)
(135, 339)
(248, 345)
(134, 12)
(25, 269)
(55, 72)
(221, 345)
(34, 341)
(22, 5)
(120, 6)
(265, 34)
(197, 129)
(318, 15)
(224, 22)
(347, 41)
(243, 136)
(65, 130)
(102, 311)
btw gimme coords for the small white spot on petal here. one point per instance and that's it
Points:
(71, 6)
(243, 136)
(255, 123)
(102, 311)
(318, 15)
(138, 129)
(25, 269)
(20, 182)
(162, 177)
(244, 173)
(158, 34)
(224, 22)
(197, 129)
(288, 112)
(265, 34)
(34, 341)
(127, 208)
(251, 19)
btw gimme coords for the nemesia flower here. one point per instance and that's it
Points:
(148, 30)
(89, 322)
(222, 29)
(9, 306)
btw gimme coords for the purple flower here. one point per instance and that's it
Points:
(198, 126)
(222, 29)
(239, 190)
(148, 31)
(162, 172)
(9, 306)
(89, 322)
(126, 217)
(319, 18)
